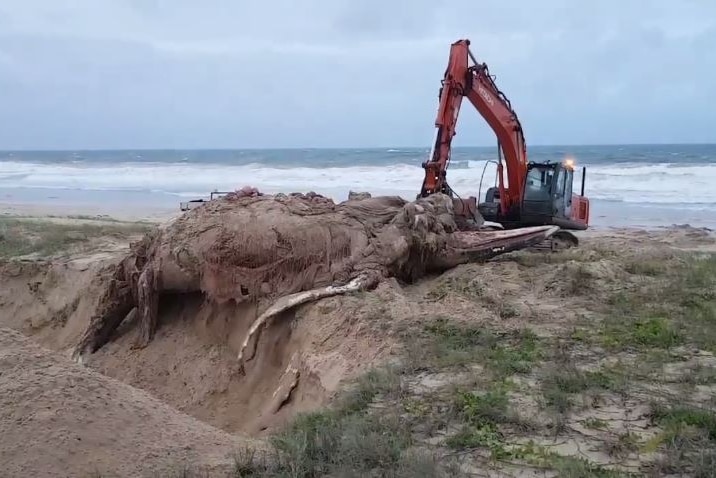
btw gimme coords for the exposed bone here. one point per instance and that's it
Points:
(288, 302)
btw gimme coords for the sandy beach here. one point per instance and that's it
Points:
(530, 362)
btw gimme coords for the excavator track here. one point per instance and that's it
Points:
(559, 241)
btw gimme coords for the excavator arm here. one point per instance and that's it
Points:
(475, 83)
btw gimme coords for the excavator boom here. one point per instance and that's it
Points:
(549, 182)
(475, 83)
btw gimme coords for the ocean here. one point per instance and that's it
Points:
(637, 185)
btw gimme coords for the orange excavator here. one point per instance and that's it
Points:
(530, 193)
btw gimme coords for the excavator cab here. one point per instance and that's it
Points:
(547, 199)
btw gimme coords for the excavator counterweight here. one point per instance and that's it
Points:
(528, 193)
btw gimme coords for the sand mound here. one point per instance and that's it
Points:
(60, 419)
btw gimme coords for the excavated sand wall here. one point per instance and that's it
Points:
(192, 362)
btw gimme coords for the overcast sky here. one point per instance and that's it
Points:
(332, 73)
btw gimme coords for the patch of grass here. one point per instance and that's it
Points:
(514, 354)
(471, 289)
(416, 407)
(646, 267)
(480, 414)
(445, 345)
(324, 443)
(655, 332)
(579, 280)
(678, 308)
(564, 466)
(19, 237)
(676, 417)
(425, 464)
(700, 375)
(481, 436)
(573, 467)
(699, 319)
(448, 345)
(350, 439)
(247, 462)
(457, 337)
(595, 423)
(564, 380)
(386, 382)
(624, 444)
(540, 457)
(689, 440)
(480, 409)
(700, 272)
(581, 335)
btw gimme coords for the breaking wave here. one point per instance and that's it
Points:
(627, 182)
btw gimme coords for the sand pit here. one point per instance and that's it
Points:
(61, 419)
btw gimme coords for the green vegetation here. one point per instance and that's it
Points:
(347, 440)
(386, 382)
(676, 417)
(595, 423)
(646, 267)
(445, 344)
(19, 237)
(471, 289)
(573, 467)
(480, 415)
(565, 380)
(641, 334)
(688, 440)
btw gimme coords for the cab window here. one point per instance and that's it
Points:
(538, 184)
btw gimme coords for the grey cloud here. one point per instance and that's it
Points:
(131, 73)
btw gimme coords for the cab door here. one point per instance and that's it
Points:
(568, 180)
(559, 203)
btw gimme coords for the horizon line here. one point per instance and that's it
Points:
(293, 148)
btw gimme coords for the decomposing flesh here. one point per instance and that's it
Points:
(280, 251)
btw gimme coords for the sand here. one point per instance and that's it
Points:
(61, 419)
(183, 399)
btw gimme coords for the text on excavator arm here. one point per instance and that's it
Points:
(475, 83)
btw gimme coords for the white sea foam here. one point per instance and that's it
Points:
(637, 183)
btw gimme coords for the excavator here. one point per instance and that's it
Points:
(528, 193)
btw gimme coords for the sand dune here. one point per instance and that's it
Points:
(61, 419)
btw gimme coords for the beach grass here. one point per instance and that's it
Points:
(21, 236)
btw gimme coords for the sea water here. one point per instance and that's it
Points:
(640, 185)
